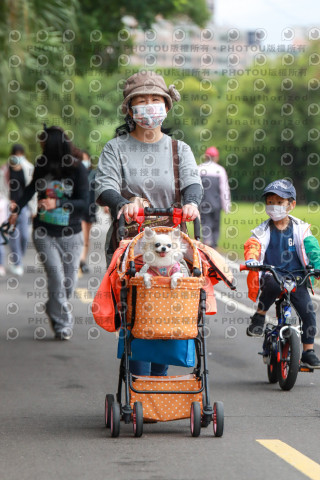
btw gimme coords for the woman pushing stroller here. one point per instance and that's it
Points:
(144, 166)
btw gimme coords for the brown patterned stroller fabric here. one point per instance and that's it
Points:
(164, 407)
(163, 313)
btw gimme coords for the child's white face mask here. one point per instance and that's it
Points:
(149, 116)
(276, 212)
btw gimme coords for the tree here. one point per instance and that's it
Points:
(42, 44)
(31, 48)
(103, 32)
(266, 124)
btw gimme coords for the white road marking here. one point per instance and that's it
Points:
(234, 306)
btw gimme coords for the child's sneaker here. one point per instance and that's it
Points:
(256, 325)
(310, 359)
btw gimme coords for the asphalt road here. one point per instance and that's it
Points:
(52, 401)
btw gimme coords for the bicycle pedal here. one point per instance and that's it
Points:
(305, 369)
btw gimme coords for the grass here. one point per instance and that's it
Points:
(235, 228)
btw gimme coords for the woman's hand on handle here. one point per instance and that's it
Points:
(189, 212)
(14, 214)
(130, 212)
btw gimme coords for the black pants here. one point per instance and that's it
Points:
(211, 227)
(301, 301)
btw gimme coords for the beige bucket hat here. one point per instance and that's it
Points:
(148, 82)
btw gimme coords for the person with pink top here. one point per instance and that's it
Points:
(215, 198)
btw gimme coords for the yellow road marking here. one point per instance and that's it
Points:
(83, 295)
(292, 456)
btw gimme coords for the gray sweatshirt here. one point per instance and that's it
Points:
(134, 168)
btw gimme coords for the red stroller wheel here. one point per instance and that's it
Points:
(195, 419)
(137, 419)
(218, 419)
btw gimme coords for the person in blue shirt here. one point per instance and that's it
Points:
(287, 243)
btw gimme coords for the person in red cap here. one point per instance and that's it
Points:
(215, 198)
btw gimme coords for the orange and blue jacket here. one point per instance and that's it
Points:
(307, 247)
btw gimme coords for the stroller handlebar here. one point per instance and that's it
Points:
(176, 213)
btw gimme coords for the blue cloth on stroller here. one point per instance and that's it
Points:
(169, 352)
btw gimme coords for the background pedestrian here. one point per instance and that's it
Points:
(216, 196)
(62, 186)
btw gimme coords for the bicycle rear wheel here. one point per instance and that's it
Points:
(288, 367)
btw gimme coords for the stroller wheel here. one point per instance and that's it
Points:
(204, 421)
(115, 419)
(137, 418)
(195, 419)
(109, 401)
(218, 419)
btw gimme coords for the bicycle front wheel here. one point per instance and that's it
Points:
(288, 367)
(272, 371)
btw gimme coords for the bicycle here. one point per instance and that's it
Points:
(281, 346)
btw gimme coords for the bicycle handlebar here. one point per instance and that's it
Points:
(270, 268)
(176, 213)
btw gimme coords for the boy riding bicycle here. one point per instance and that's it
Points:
(287, 243)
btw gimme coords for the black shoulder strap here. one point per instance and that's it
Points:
(175, 157)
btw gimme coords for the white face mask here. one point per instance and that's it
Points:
(149, 116)
(86, 163)
(276, 212)
(16, 160)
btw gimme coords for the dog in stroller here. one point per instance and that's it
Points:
(168, 316)
(163, 255)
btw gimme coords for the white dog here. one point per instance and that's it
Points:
(162, 254)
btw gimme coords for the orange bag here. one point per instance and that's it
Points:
(164, 407)
(164, 313)
(104, 306)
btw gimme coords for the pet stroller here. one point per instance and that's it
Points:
(172, 319)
